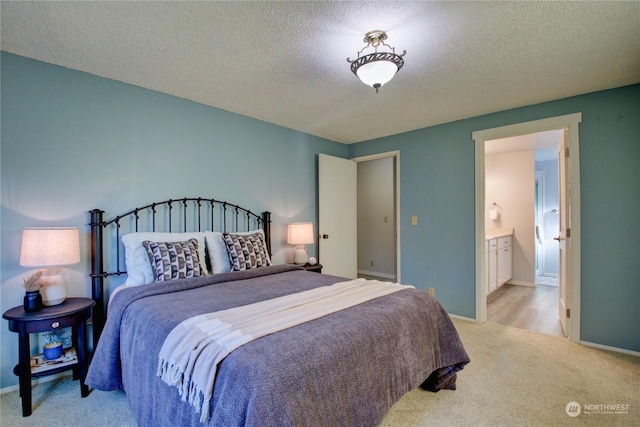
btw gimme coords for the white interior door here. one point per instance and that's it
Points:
(337, 216)
(564, 236)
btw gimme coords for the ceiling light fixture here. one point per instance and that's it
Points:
(377, 68)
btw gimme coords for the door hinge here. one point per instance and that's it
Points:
(566, 152)
(568, 313)
(568, 232)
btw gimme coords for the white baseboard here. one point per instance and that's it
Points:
(377, 274)
(38, 380)
(520, 283)
(468, 319)
(584, 343)
(606, 347)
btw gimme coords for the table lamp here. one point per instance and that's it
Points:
(300, 234)
(51, 247)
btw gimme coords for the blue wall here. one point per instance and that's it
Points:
(72, 142)
(437, 185)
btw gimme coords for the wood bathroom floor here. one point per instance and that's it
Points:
(523, 307)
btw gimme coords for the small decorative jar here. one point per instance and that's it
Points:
(32, 301)
(52, 351)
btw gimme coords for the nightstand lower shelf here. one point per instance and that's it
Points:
(42, 367)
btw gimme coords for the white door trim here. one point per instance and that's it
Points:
(570, 122)
(384, 155)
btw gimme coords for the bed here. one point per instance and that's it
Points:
(346, 366)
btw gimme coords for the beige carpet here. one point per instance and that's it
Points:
(516, 378)
(522, 378)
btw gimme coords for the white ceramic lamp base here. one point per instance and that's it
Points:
(300, 255)
(55, 291)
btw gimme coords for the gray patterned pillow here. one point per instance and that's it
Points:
(246, 251)
(173, 260)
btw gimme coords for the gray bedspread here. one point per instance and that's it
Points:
(345, 369)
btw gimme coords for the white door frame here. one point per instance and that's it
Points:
(570, 122)
(384, 155)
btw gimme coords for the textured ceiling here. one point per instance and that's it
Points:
(285, 62)
(545, 144)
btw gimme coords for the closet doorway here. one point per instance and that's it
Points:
(378, 216)
(339, 232)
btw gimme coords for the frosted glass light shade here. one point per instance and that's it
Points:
(300, 233)
(50, 246)
(377, 72)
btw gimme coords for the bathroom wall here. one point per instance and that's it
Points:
(510, 183)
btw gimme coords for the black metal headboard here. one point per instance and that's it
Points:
(180, 215)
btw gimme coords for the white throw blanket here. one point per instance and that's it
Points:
(191, 352)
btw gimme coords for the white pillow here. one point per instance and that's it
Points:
(136, 259)
(217, 248)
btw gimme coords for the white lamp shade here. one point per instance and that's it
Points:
(50, 246)
(300, 233)
(377, 72)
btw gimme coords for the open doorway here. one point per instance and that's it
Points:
(569, 233)
(521, 235)
(338, 218)
(377, 189)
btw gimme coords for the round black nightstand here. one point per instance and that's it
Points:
(74, 313)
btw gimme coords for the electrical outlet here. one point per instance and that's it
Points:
(414, 220)
(432, 292)
(371, 263)
(386, 219)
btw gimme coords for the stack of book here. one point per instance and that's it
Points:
(40, 364)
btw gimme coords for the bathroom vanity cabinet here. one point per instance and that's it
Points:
(499, 260)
